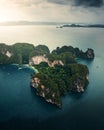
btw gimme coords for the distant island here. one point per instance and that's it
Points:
(82, 25)
(57, 24)
(57, 72)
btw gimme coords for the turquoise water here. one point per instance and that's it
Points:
(22, 109)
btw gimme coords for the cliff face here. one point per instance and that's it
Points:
(36, 60)
(9, 54)
(55, 62)
(79, 87)
(47, 93)
(6, 53)
(5, 50)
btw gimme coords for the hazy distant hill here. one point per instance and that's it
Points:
(82, 25)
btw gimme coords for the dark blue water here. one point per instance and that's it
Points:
(21, 108)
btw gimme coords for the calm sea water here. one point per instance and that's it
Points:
(22, 109)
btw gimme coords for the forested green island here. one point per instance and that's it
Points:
(57, 72)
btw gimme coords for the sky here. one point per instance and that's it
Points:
(77, 11)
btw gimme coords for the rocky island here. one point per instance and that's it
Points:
(74, 25)
(57, 72)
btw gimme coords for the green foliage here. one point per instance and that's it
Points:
(63, 49)
(41, 50)
(79, 68)
(21, 52)
(23, 49)
(74, 51)
(66, 57)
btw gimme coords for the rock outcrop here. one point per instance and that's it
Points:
(55, 62)
(8, 54)
(36, 60)
(43, 91)
(78, 86)
(90, 53)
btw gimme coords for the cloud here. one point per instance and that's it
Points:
(62, 2)
(85, 3)
(53, 10)
(89, 3)
(24, 3)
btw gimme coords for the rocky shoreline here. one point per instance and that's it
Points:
(36, 83)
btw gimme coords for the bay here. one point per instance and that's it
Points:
(21, 108)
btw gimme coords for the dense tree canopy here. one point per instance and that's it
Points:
(21, 52)
(60, 79)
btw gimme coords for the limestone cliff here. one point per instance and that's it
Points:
(36, 60)
(89, 53)
(45, 91)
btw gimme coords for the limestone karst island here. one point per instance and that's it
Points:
(57, 72)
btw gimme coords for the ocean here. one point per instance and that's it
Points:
(22, 109)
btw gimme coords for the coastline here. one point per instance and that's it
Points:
(26, 66)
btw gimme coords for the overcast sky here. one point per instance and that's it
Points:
(79, 11)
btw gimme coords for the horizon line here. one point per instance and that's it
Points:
(27, 22)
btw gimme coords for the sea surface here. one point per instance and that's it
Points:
(22, 109)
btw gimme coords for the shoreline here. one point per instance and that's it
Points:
(26, 66)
